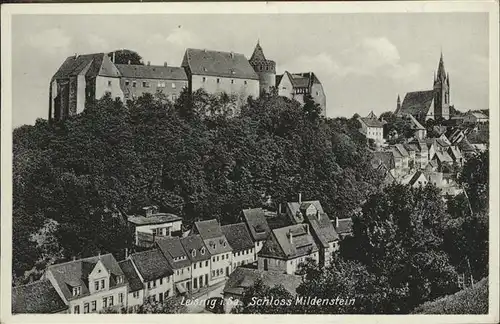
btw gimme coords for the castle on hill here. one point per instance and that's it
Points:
(90, 76)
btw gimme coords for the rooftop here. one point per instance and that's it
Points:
(158, 218)
(238, 236)
(37, 297)
(152, 72)
(151, 264)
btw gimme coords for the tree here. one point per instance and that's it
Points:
(125, 56)
(475, 180)
(172, 305)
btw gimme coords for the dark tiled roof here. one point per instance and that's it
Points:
(415, 177)
(322, 229)
(279, 245)
(152, 72)
(386, 158)
(242, 278)
(215, 63)
(416, 124)
(345, 225)
(258, 54)
(444, 157)
(371, 115)
(151, 264)
(134, 282)
(294, 207)
(370, 122)
(38, 297)
(238, 236)
(194, 242)
(401, 150)
(75, 273)
(173, 251)
(99, 64)
(278, 79)
(257, 223)
(417, 102)
(211, 233)
(158, 218)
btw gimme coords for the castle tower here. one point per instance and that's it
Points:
(265, 69)
(442, 92)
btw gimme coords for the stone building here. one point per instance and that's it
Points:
(298, 85)
(429, 104)
(265, 69)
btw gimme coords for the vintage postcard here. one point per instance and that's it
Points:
(232, 161)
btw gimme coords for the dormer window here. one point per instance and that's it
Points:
(224, 244)
(202, 250)
(119, 279)
(77, 291)
(193, 252)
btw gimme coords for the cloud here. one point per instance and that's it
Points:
(50, 41)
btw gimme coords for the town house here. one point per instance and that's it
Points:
(241, 242)
(200, 260)
(89, 285)
(298, 85)
(135, 296)
(155, 274)
(258, 227)
(372, 128)
(286, 248)
(218, 247)
(152, 224)
(178, 260)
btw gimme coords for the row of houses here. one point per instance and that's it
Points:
(171, 265)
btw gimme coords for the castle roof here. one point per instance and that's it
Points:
(258, 54)
(216, 63)
(87, 64)
(299, 80)
(152, 72)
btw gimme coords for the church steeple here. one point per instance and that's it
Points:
(441, 73)
(442, 91)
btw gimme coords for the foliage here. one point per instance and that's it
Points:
(475, 180)
(172, 305)
(125, 56)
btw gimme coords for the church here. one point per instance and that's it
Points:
(428, 104)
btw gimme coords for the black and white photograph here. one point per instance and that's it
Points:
(258, 158)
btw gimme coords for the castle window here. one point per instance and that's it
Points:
(203, 79)
(218, 80)
(127, 83)
(145, 84)
(245, 82)
(134, 84)
(232, 81)
(173, 85)
(109, 83)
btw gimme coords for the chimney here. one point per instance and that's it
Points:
(126, 253)
(149, 63)
(99, 255)
(336, 222)
(306, 227)
(165, 64)
(318, 215)
(279, 209)
(74, 258)
(290, 236)
(128, 62)
(300, 198)
(114, 57)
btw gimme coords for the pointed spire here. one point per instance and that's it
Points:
(399, 99)
(441, 74)
(258, 53)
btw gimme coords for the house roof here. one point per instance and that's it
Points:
(278, 79)
(295, 207)
(417, 102)
(401, 150)
(257, 223)
(322, 229)
(299, 80)
(443, 157)
(455, 152)
(151, 264)
(372, 115)
(478, 115)
(242, 278)
(75, 273)
(173, 251)
(135, 71)
(417, 175)
(344, 226)
(158, 218)
(416, 124)
(238, 236)
(216, 63)
(195, 242)
(384, 157)
(370, 122)
(36, 297)
(211, 233)
(289, 242)
(97, 64)
(134, 282)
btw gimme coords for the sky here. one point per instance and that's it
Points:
(363, 60)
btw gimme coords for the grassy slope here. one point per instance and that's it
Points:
(473, 300)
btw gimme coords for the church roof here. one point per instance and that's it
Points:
(417, 102)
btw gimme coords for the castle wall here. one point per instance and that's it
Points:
(319, 96)
(241, 88)
(107, 84)
(134, 87)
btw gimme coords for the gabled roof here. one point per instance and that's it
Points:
(322, 229)
(417, 102)
(37, 297)
(385, 158)
(211, 233)
(75, 273)
(417, 175)
(151, 264)
(195, 242)
(134, 282)
(238, 236)
(257, 223)
(416, 124)
(400, 151)
(478, 115)
(289, 242)
(443, 157)
(370, 122)
(97, 64)
(295, 207)
(299, 80)
(216, 63)
(242, 278)
(371, 115)
(158, 218)
(135, 71)
(173, 251)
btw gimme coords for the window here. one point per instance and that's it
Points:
(193, 252)
(167, 293)
(195, 283)
(218, 80)
(120, 298)
(127, 83)
(174, 97)
(102, 284)
(96, 285)
(134, 84)
(77, 291)
(227, 256)
(136, 294)
(202, 250)
(119, 279)
(109, 83)
(206, 263)
(76, 310)
(201, 264)
(149, 285)
(94, 305)
(161, 281)
(86, 308)
(203, 79)
(173, 85)
(105, 302)
(110, 300)
(223, 257)
(213, 273)
(213, 259)
(144, 84)
(245, 82)
(182, 271)
(194, 266)
(232, 81)
(154, 283)
(224, 244)
(217, 258)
